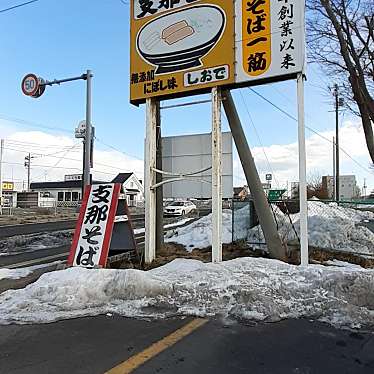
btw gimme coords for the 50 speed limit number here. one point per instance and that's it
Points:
(30, 85)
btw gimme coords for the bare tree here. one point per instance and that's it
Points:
(341, 39)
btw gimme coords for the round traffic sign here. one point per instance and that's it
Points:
(30, 85)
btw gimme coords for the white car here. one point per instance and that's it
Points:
(179, 208)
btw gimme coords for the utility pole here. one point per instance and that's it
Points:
(28, 166)
(1, 175)
(267, 221)
(337, 158)
(87, 150)
(159, 192)
(334, 168)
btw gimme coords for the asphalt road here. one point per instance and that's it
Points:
(32, 228)
(96, 345)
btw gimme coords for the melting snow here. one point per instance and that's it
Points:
(329, 226)
(246, 288)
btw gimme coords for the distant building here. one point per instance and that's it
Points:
(132, 186)
(68, 192)
(348, 188)
(9, 198)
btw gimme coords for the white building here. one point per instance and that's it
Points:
(68, 193)
(348, 188)
(132, 186)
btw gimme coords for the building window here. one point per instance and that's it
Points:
(60, 196)
(75, 196)
(67, 196)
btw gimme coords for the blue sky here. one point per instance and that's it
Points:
(63, 38)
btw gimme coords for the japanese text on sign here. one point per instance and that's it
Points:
(94, 226)
(256, 36)
(146, 8)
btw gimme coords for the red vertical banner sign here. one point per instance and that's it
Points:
(93, 233)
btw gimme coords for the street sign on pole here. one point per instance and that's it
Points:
(30, 85)
(269, 177)
(275, 195)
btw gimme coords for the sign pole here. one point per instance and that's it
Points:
(1, 175)
(302, 173)
(150, 180)
(87, 150)
(216, 176)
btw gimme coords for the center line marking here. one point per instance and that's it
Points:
(139, 359)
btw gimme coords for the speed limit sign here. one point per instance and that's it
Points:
(30, 85)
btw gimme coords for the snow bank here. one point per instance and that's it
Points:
(14, 273)
(246, 288)
(329, 226)
(23, 272)
(34, 242)
(198, 235)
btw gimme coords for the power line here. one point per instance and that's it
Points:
(309, 128)
(258, 137)
(118, 150)
(18, 6)
(29, 123)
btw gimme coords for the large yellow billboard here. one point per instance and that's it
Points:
(179, 46)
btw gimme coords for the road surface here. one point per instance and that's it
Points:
(113, 345)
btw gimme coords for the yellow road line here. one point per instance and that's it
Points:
(139, 359)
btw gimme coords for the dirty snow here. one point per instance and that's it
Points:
(34, 242)
(23, 272)
(14, 273)
(329, 226)
(245, 288)
(198, 234)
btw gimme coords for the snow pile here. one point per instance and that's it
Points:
(34, 242)
(14, 273)
(246, 288)
(198, 235)
(329, 226)
(24, 272)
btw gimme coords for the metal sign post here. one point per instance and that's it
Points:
(216, 176)
(302, 174)
(34, 86)
(150, 181)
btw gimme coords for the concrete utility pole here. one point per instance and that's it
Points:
(216, 176)
(337, 155)
(1, 175)
(334, 168)
(88, 133)
(303, 191)
(28, 166)
(160, 191)
(265, 216)
(150, 180)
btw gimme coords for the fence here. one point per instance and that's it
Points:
(346, 228)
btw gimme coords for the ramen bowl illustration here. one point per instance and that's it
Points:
(179, 40)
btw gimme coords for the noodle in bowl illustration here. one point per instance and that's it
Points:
(179, 40)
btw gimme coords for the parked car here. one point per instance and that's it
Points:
(179, 208)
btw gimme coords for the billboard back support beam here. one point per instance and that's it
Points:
(269, 228)
(216, 176)
(302, 173)
(150, 180)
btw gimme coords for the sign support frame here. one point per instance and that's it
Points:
(304, 251)
(216, 175)
(150, 180)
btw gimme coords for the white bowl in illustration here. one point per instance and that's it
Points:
(177, 41)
